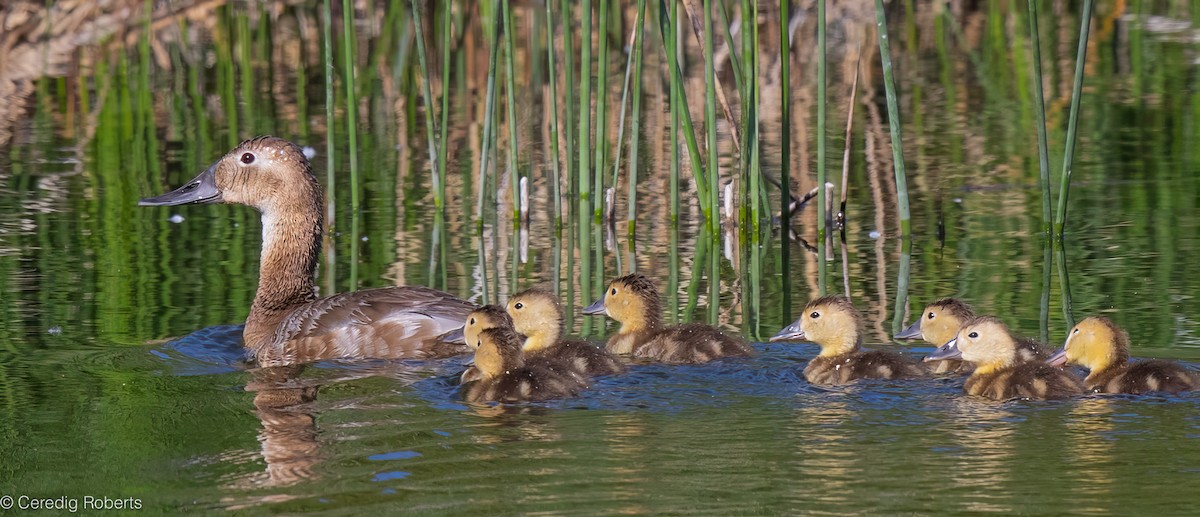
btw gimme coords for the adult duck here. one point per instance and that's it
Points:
(288, 323)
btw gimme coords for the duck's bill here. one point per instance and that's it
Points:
(1058, 359)
(790, 333)
(947, 351)
(595, 308)
(455, 336)
(910, 332)
(202, 189)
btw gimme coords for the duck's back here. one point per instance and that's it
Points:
(862, 364)
(581, 357)
(530, 383)
(1029, 349)
(691, 343)
(383, 323)
(1144, 377)
(1030, 380)
(951, 366)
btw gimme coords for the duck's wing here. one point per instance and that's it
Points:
(383, 323)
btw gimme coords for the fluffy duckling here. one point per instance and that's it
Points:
(939, 323)
(633, 301)
(1099, 345)
(1000, 374)
(506, 377)
(478, 320)
(537, 314)
(832, 322)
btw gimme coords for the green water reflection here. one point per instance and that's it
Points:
(93, 402)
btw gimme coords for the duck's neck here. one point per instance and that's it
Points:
(841, 344)
(645, 320)
(290, 249)
(542, 338)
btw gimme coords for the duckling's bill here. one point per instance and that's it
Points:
(596, 307)
(910, 332)
(202, 189)
(1059, 358)
(792, 332)
(947, 351)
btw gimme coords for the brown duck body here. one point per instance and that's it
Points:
(287, 323)
(1142, 377)
(506, 376)
(633, 301)
(860, 364)
(580, 356)
(537, 314)
(1031, 380)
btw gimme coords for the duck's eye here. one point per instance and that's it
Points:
(247, 158)
(613, 292)
(472, 322)
(519, 306)
(973, 335)
(931, 315)
(814, 315)
(1076, 331)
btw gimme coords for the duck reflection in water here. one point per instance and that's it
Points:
(289, 431)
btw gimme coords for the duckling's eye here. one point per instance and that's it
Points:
(931, 315)
(613, 292)
(247, 158)
(973, 335)
(472, 322)
(1076, 331)
(519, 306)
(814, 315)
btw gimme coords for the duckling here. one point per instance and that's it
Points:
(537, 314)
(1098, 344)
(832, 322)
(633, 301)
(483, 318)
(506, 377)
(287, 323)
(940, 322)
(1000, 374)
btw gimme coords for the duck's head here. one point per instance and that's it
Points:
(939, 322)
(1095, 343)
(497, 350)
(537, 314)
(632, 300)
(266, 172)
(984, 341)
(483, 318)
(829, 321)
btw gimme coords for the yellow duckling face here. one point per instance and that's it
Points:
(1095, 343)
(830, 321)
(536, 313)
(939, 322)
(265, 172)
(497, 351)
(483, 318)
(631, 300)
(984, 341)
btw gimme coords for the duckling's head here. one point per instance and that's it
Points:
(939, 322)
(483, 318)
(497, 350)
(984, 341)
(829, 321)
(537, 314)
(265, 172)
(633, 301)
(1095, 343)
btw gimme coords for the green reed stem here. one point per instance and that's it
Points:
(330, 164)
(427, 96)
(710, 119)
(669, 39)
(735, 62)
(635, 136)
(785, 151)
(352, 131)
(822, 217)
(624, 103)
(447, 31)
(554, 170)
(669, 31)
(569, 98)
(601, 136)
(510, 86)
(1072, 124)
(1040, 107)
(584, 184)
(889, 85)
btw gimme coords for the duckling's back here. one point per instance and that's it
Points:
(1032, 380)
(1029, 349)
(581, 357)
(863, 364)
(531, 383)
(691, 343)
(1145, 377)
